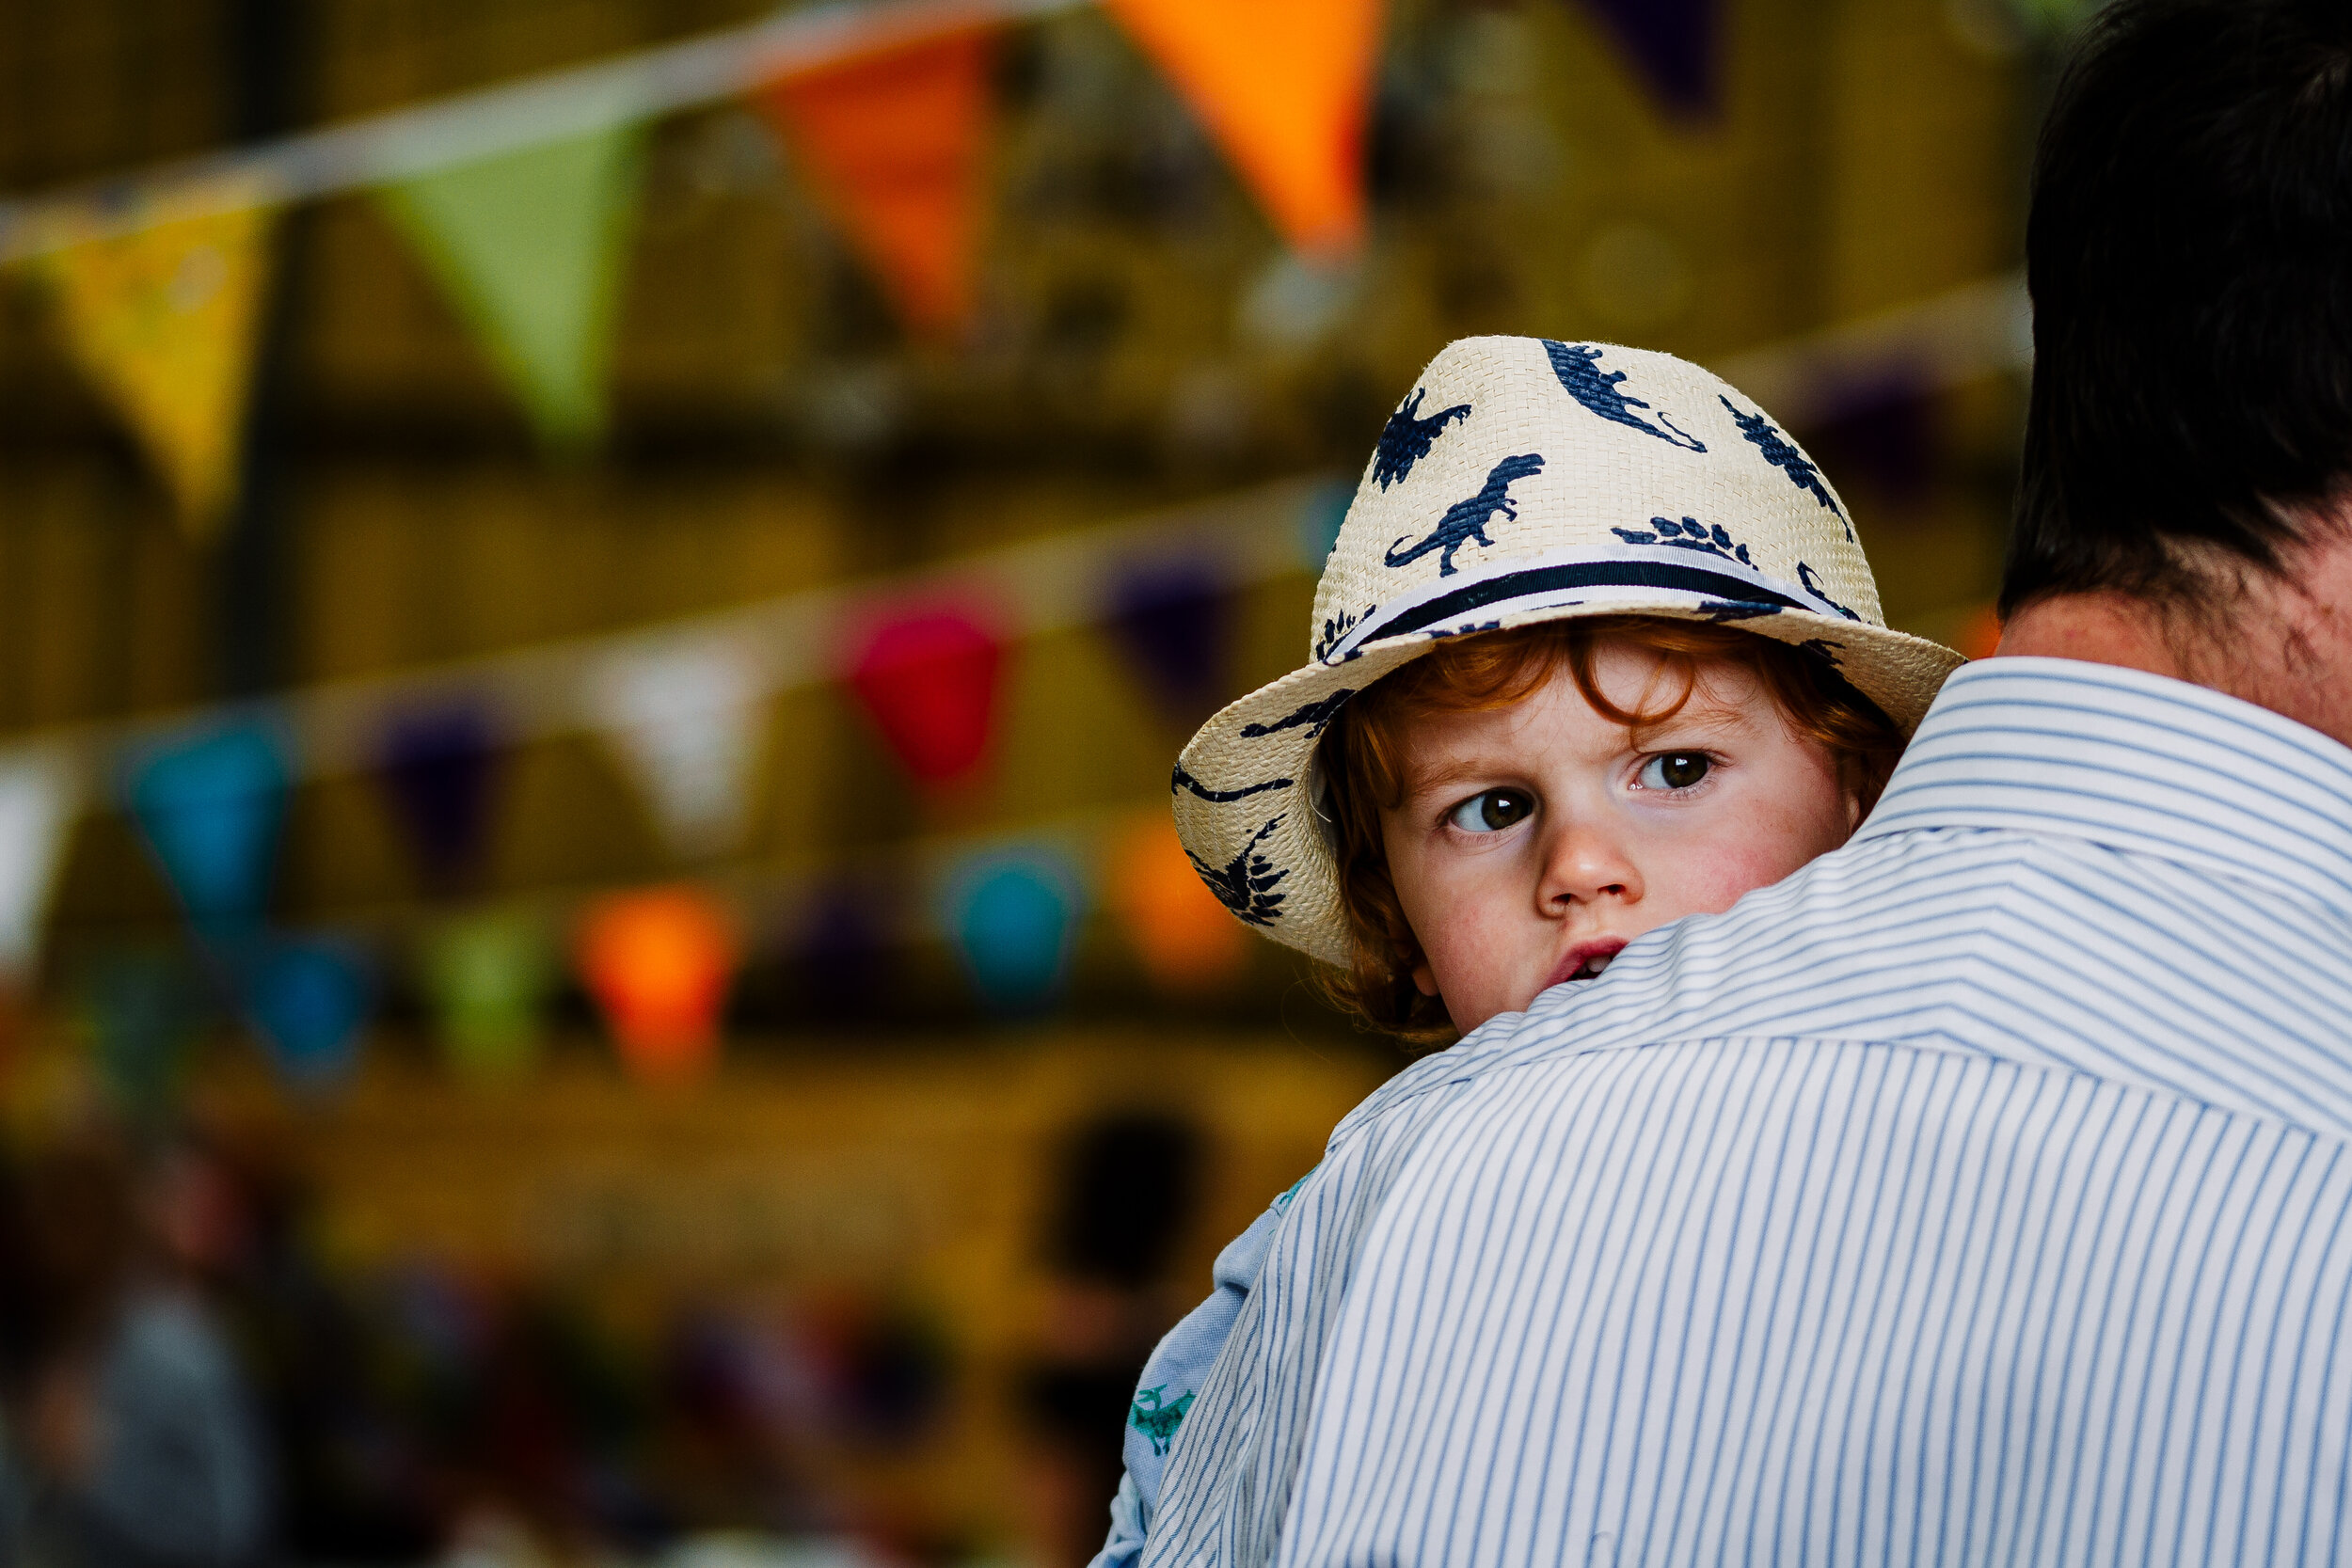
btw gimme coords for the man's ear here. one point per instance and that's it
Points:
(1424, 979)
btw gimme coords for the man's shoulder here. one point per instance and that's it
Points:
(1859, 946)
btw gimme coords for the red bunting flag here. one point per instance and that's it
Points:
(1286, 85)
(894, 141)
(659, 962)
(930, 679)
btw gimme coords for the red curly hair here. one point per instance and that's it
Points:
(1362, 762)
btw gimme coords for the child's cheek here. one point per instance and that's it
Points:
(1709, 878)
(1468, 939)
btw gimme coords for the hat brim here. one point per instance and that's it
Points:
(1246, 796)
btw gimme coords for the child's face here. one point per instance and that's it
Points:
(1535, 841)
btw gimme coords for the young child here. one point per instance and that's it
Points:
(1595, 649)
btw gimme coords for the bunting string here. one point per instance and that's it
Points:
(427, 138)
(1041, 586)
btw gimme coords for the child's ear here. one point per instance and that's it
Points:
(1411, 960)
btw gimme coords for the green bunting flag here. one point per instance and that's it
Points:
(488, 975)
(530, 246)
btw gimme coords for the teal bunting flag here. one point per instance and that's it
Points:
(1319, 523)
(209, 807)
(1011, 917)
(530, 245)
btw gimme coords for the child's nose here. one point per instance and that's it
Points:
(1587, 866)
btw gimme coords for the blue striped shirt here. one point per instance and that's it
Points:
(1976, 1195)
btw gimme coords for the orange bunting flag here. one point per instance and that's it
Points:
(894, 142)
(1285, 86)
(164, 319)
(659, 962)
(1186, 938)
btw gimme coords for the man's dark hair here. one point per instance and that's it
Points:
(2190, 251)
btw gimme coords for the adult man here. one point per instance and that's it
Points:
(1981, 1193)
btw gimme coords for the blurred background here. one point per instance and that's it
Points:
(596, 598)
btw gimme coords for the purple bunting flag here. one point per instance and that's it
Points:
(1172, 619)
(1881, 426)
(438, 768)
(841, 948)
(1672, 46)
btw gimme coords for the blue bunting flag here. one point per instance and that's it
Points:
(209, 807)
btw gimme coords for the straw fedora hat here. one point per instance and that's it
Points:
(1523, 480)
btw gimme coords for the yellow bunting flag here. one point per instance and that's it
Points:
(894, 141)
(1286, 85)
(164, 319)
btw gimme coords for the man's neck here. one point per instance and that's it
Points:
(2286, 643)
(2097, 628)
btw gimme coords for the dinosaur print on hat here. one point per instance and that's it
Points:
(1784, 454)
(1337, 626)
(1813, 586)
(1466, 520)
(1405, 440)
(1180, 779)
(1314, 716)
(1688, 534)
(1244, 884)
(1577, 366)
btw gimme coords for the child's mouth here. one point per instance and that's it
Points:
(1585, 960)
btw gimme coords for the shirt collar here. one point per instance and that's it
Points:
(2130, 761)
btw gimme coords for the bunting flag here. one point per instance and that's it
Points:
(1674, 46)
(929, 677)
(1979, 633)
(1173, 620)
(437, 766)
(307, 998)
(38, 790)
(163, 320)
(1882, 428)
(530, 245)
(1012, 916)
(2055, 17)
(487, 976)
(842, 949)
(1186, 940)
(208, 807)
(687, 720)
(1285, 86)
(894, 141)
(143, 1006)
(658, 963)
(1320, 521)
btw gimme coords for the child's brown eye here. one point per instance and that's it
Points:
(1676, 770)
(1492, 812)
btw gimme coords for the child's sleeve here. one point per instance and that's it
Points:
(1175, 1372)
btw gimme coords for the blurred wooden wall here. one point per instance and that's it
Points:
(774, 431)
